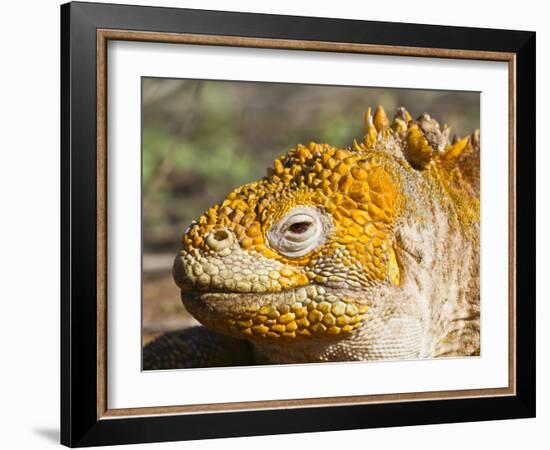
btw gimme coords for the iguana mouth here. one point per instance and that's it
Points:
(312, 311)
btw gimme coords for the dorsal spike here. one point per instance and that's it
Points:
(418, 150)
(400, 120)
(370, 130)
(452, 152)
(403, 115)
(446, 132)
(424, 117)
(381, 121)
(432, 132)
(368, 120)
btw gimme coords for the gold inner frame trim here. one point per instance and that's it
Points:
(103, 36)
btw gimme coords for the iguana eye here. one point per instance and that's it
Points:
(300, 231)
(299, 227)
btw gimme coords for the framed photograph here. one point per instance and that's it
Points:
(276, 224)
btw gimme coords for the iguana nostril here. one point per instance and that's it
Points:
(221, 235)
(219, 239)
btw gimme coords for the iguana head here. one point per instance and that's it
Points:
(312, 249)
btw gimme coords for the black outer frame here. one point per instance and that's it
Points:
(79, 423)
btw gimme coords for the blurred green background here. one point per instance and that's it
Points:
(201, 139)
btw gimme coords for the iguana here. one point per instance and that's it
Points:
(363, 253)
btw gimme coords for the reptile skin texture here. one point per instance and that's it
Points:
(338, 254)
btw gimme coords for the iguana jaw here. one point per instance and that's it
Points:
(311, 312)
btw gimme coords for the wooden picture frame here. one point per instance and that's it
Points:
(86, 418)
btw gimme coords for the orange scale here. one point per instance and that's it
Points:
(349, 204)
(258, 240)
(358, 173)
(359, 216)
(341, 154)
(344, 183)
(342, 168)
(355, 230)
(246, 242)
(359, 192)
(346, 222)
(377, 214)
(254, 230)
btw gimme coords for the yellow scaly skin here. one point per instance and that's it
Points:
(392, 269)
